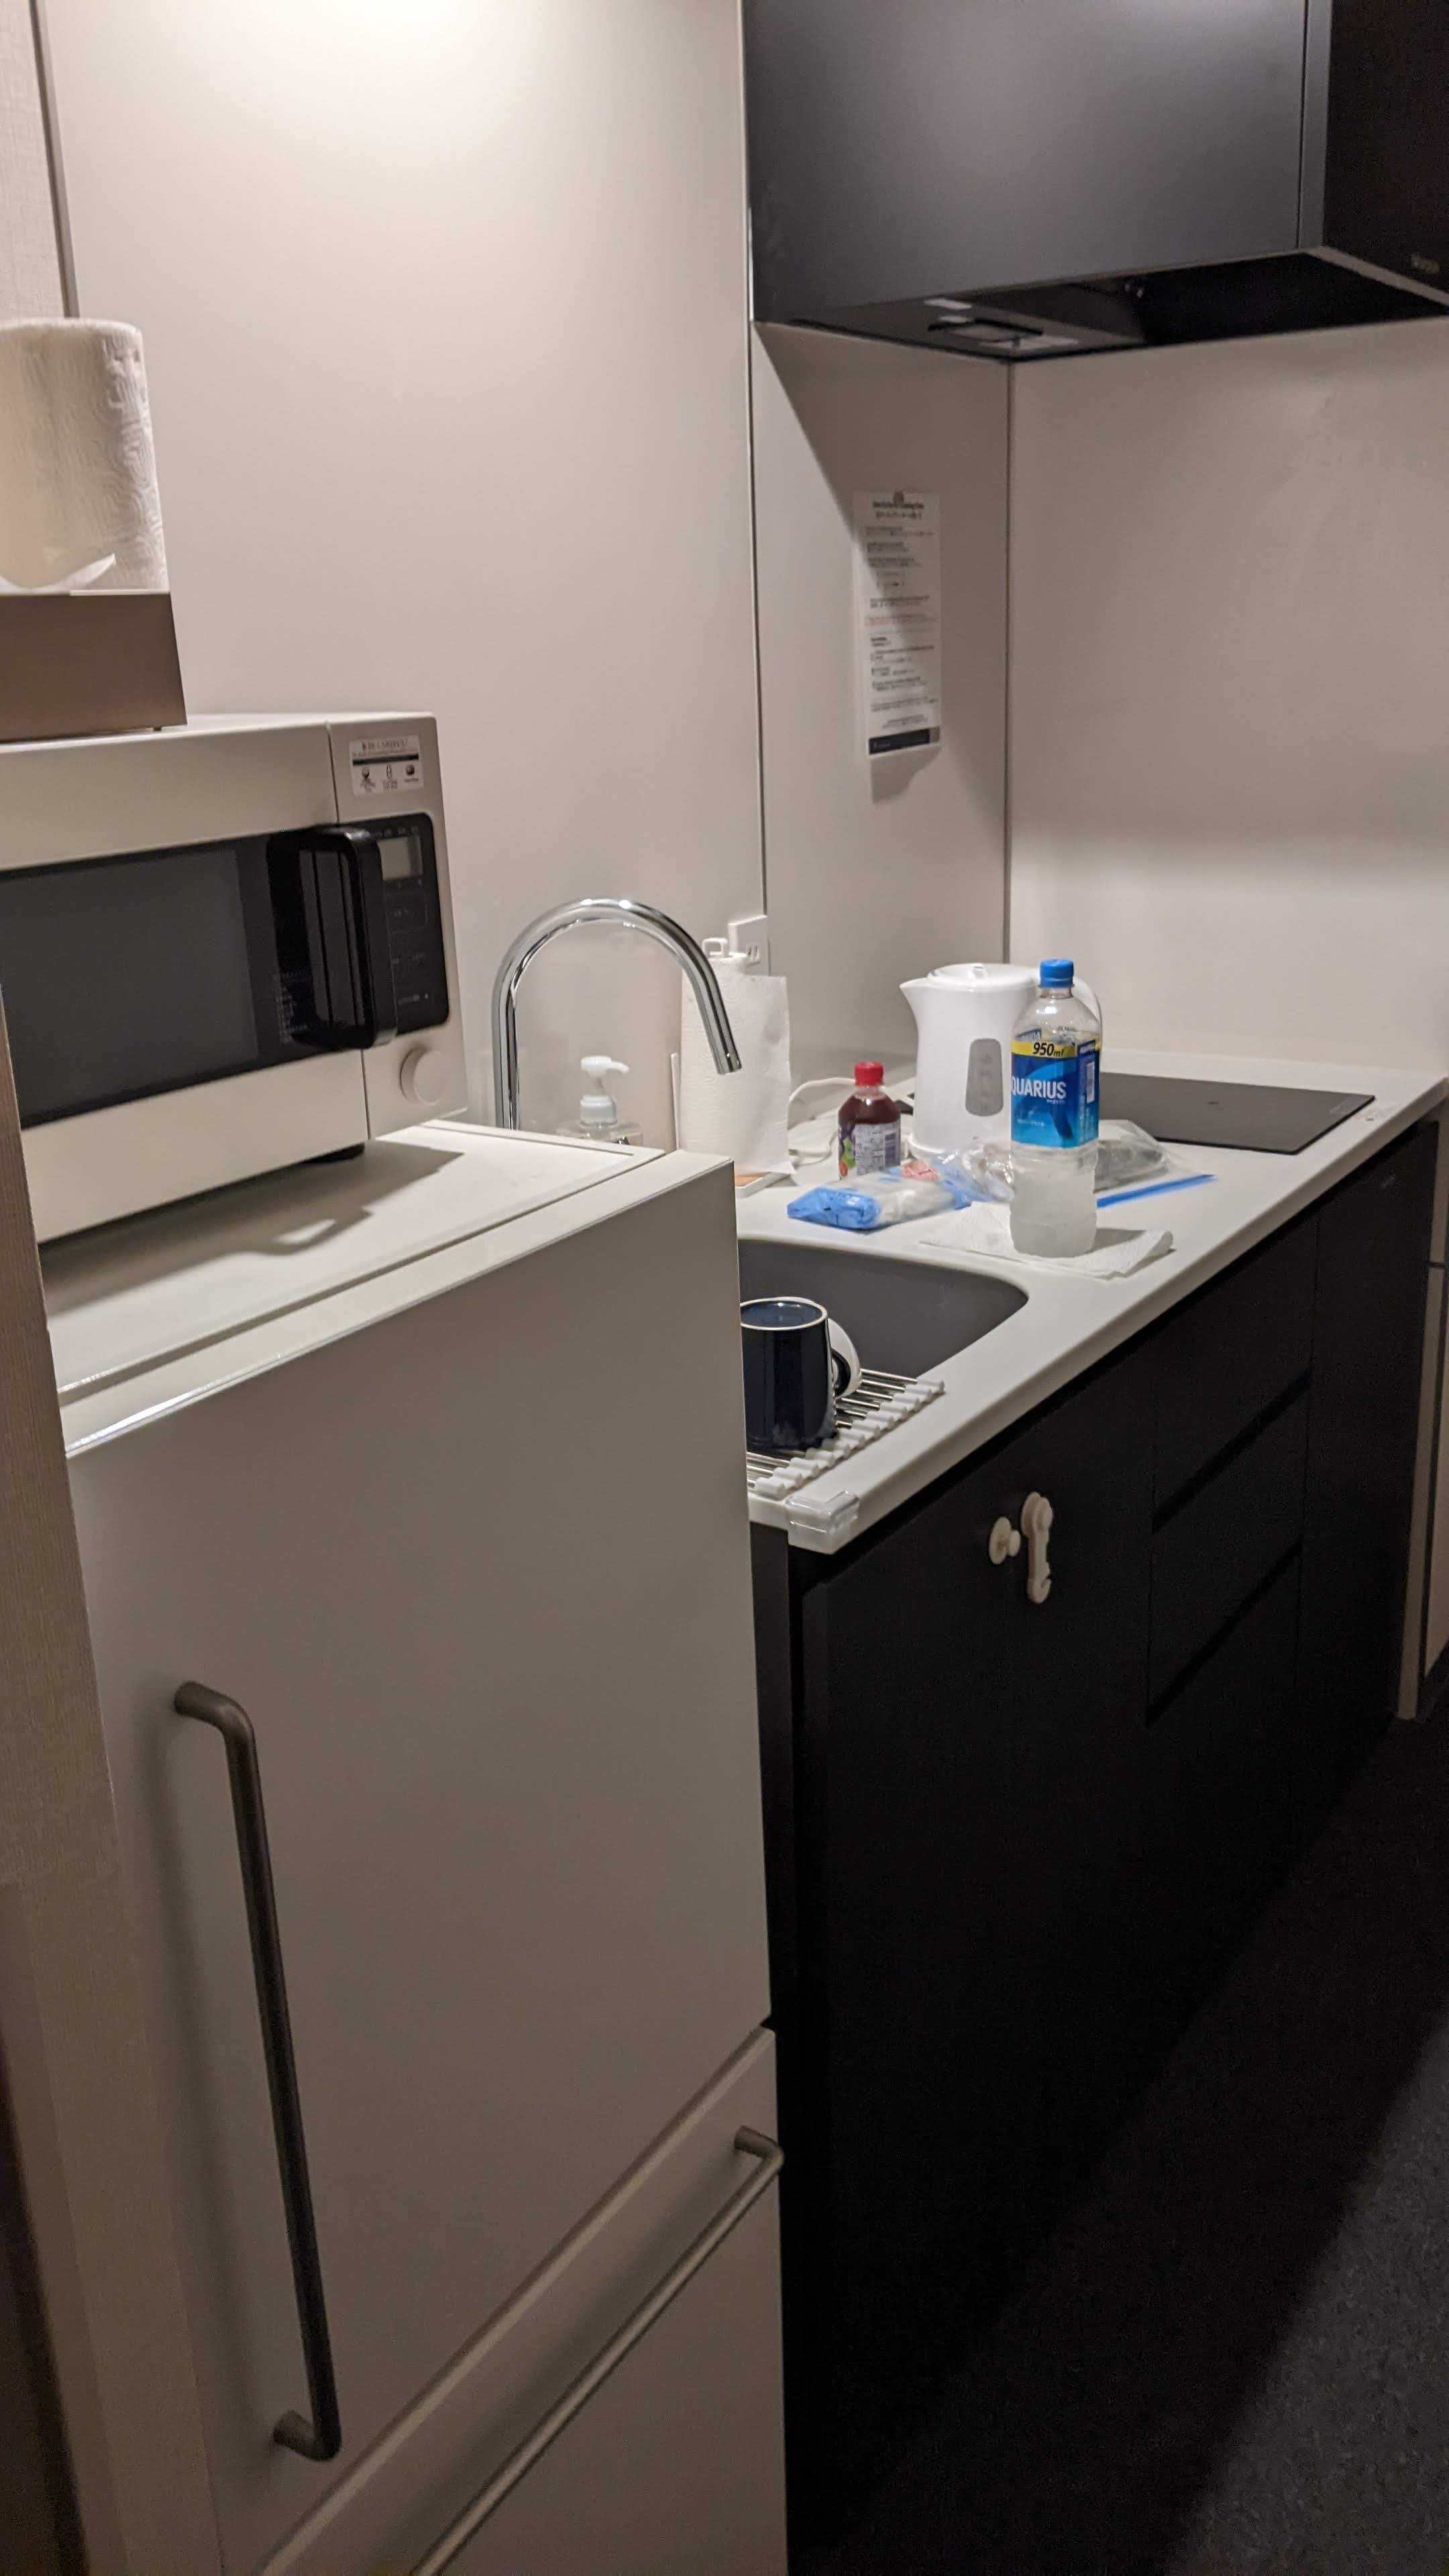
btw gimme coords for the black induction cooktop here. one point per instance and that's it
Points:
(1260, 1115)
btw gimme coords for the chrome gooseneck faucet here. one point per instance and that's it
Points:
(634, 916)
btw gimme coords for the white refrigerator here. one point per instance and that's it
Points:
(412, 1514)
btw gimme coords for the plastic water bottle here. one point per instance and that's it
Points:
(1055, 1061)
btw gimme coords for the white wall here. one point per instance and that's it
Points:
(29, 263)
(444, 314)
(875, 870)
(1230, 640)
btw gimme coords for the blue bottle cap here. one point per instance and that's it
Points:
(1057, 974)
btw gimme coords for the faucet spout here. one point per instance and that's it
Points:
(517, 959)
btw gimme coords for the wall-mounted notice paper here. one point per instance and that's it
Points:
(898, 602)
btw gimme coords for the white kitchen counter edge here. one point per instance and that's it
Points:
(1069, 1324)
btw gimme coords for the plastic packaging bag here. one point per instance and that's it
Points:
(1126, 1154)
(883, 1198)
(983, 1173)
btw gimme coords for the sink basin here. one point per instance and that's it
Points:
(901, 1315)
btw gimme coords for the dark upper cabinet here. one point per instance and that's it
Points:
(955, 144)
(1373, 1246)
(1019, 179)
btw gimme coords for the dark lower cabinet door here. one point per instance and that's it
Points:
(1215, 1832)
(908, 1970)
(1075, 1673)
(1373, 1252)
(971, 1764)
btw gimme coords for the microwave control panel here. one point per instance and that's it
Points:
(414, 921)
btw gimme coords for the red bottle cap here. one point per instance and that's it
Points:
(870, 1073)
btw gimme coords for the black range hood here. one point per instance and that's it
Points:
(1017, 179)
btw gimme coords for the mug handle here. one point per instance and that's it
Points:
(847, 1363)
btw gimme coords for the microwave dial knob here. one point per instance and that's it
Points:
(424, 1076)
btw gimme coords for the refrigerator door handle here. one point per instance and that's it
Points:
(768, 2160)
(321, 2439)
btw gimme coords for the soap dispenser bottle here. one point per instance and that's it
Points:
(598, 1117)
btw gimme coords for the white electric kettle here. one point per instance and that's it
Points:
(965, 1016)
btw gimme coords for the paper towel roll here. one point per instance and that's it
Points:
(77, 463)
(744, 1114)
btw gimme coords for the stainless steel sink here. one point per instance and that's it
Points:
(901, 1315)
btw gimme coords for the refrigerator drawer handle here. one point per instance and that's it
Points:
(768, 2161)
(321, 2439)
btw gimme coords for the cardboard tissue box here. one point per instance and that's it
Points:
(87, 661)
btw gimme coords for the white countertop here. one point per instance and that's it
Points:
(1068, 1323)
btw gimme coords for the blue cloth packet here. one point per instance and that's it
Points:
(850, 1208)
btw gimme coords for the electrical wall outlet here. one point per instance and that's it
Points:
(751, 933)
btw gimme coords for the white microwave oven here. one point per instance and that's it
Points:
(223, 948)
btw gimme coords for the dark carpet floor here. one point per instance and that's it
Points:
(1233, 2357)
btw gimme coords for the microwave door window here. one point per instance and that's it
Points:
(123, 977)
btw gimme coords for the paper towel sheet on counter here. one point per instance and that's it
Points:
(985, 1227)
(744, 1114)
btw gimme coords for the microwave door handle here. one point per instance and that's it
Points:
(374, 954)
(329, 904)
(369, 959)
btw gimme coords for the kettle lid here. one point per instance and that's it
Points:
(984, 978)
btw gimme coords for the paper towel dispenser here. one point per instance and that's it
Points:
(1019, 179)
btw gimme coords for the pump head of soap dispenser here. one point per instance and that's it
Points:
(598, 1107)
(599, 1118)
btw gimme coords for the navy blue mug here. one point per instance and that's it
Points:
(796, 1363)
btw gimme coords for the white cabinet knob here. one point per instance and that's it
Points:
(1003, 1542)
(423, 1076)
(1037, 1517)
